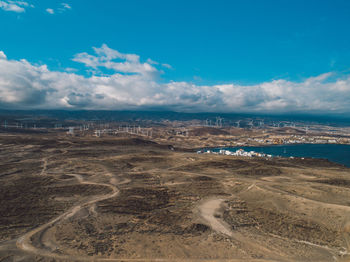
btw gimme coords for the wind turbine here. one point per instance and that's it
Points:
(238, 123)
(251, 124)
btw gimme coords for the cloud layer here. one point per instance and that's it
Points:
(60, 9)
(132, 84)
(21, 6)
(14, 6)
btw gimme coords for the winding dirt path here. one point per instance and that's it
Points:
(208, 210)
(25, 243)
(211, 211)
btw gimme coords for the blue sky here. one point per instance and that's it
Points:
(198, 45)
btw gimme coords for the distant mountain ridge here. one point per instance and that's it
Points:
(228, 118)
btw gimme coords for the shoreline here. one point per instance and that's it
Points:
(267, 145)
(250, 152)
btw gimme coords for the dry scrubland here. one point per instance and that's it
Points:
(111, 199)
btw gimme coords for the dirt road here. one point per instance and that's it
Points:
(24, 242)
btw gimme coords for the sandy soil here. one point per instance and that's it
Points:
(209, 210)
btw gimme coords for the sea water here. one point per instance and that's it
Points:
(333, 152)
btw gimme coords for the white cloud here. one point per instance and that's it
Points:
(133, 84)
(65, 5)
(167, 66)
(62, 8)
(69, 69)
(2, 55)
(50, 11)
(14, 6)
(22, 3)
(112, 59)
(151, 62)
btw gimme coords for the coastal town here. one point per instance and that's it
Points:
(238, 152)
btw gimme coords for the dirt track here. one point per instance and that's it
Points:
(209, 211)
(24, 242)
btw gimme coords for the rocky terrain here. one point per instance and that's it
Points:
(124, 199)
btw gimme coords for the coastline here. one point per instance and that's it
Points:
(329, 152)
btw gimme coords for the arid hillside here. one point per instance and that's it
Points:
(125, 199)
